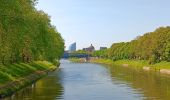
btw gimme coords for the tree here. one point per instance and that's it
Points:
(27, 34)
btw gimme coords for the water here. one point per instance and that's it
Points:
(85, 81)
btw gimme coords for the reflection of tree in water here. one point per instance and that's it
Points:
(48, 88)
(151, 84)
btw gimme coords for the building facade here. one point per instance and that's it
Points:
(89, 49)
(72, 47)
(103, 48)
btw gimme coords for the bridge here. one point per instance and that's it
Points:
(77, 55)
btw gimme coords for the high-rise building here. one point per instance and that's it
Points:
(72, 47)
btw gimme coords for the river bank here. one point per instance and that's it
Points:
(17, 76)
(78, 60)
(162, 67)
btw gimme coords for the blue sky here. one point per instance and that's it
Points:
(103, 22)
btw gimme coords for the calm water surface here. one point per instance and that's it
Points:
(85, 81)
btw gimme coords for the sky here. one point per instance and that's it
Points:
(104, 22)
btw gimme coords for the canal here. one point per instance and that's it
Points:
(86, 81)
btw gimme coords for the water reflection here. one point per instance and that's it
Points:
(85, 81)
(153, 86)
(48, 88)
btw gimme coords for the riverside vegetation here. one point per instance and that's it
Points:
(151, 50)
(29, 44)
(16, 76)
(153, 47)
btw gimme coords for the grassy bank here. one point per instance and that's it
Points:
(16, 76)
(134, 63)
(80, 60)
(130, 63)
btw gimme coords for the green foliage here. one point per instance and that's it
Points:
(153, 46)
(119, 51)
(27, 34)
(100, 53)
(167, 51)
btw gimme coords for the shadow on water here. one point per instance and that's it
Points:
(152, 85)
(48, 88)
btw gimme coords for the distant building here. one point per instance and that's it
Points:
(89, 49)
(72, 47)
(103, 48)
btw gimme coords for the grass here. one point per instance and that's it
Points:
(75, 59)
(161, 65)
(134, 63)
(13, 72)
(14, 77)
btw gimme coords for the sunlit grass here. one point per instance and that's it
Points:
(75, 59)
(135, 63)
(13, 72)
(162, 65)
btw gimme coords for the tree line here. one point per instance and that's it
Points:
(26, 34)
(152, 46)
